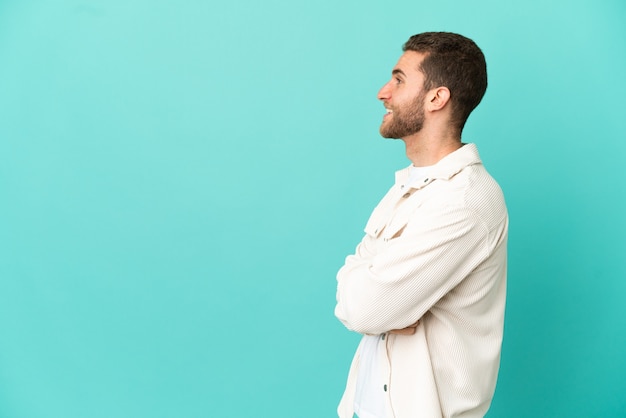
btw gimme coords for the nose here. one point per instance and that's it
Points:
(385, 92)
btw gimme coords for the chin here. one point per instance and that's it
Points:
(387, 135)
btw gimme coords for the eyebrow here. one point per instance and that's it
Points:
(398, 71)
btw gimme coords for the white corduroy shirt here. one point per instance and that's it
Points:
(434, 250)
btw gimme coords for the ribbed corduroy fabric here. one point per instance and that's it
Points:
(434, 250)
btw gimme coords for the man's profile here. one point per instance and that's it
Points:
(426, 285)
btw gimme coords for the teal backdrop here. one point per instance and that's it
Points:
(181, 180)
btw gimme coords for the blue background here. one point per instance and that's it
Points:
(180, 181)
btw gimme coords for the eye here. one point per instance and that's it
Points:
(397, 80)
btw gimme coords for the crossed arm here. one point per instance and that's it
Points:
(391, 289)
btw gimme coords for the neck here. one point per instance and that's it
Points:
(427, 148)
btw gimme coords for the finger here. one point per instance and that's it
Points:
(403, 331)
(410, 330)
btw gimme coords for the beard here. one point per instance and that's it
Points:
(405, 120)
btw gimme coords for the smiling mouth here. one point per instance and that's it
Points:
(387, 113)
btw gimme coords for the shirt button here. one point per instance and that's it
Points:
(425, 180)
(406, 195)
(385, 388)
(382, 337)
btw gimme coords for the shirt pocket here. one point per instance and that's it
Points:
(401, 217)
(376, 222)
(394, 229)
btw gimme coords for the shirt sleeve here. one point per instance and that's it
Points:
(395, 287)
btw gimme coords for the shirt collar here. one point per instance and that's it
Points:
(445, 169)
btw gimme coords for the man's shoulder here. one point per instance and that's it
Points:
(474, 190)
(482, 194)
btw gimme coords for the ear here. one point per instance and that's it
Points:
(438, 98)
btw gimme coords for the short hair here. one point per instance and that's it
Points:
(455, 62)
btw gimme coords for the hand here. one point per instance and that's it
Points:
(410, 330)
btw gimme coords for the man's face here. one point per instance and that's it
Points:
(403, 97)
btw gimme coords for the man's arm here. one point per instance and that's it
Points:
(393, 289)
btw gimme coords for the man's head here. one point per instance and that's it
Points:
(446, 61)
(455, 62)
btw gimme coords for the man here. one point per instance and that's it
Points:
(426, 285)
